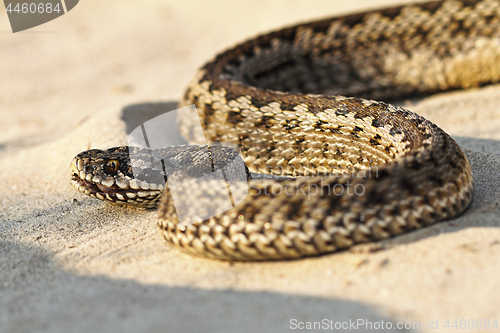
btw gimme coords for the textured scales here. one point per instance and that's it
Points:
(374, 170)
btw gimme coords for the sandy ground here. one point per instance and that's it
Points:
(69, 263)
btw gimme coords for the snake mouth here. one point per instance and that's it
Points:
(82, 185)
(94, 186)
(90, 188)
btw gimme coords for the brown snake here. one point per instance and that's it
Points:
(367, 170)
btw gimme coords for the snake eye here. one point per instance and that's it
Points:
(112, 166)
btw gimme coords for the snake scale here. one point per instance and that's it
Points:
(355, 169)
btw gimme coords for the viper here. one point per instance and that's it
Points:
(341, 170)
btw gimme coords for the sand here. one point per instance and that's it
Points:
(69, 263)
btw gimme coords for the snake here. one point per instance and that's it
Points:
(336, 171)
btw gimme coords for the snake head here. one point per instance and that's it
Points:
(107, 175)
(137, 176)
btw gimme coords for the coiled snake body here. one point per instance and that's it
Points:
(279, 98)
